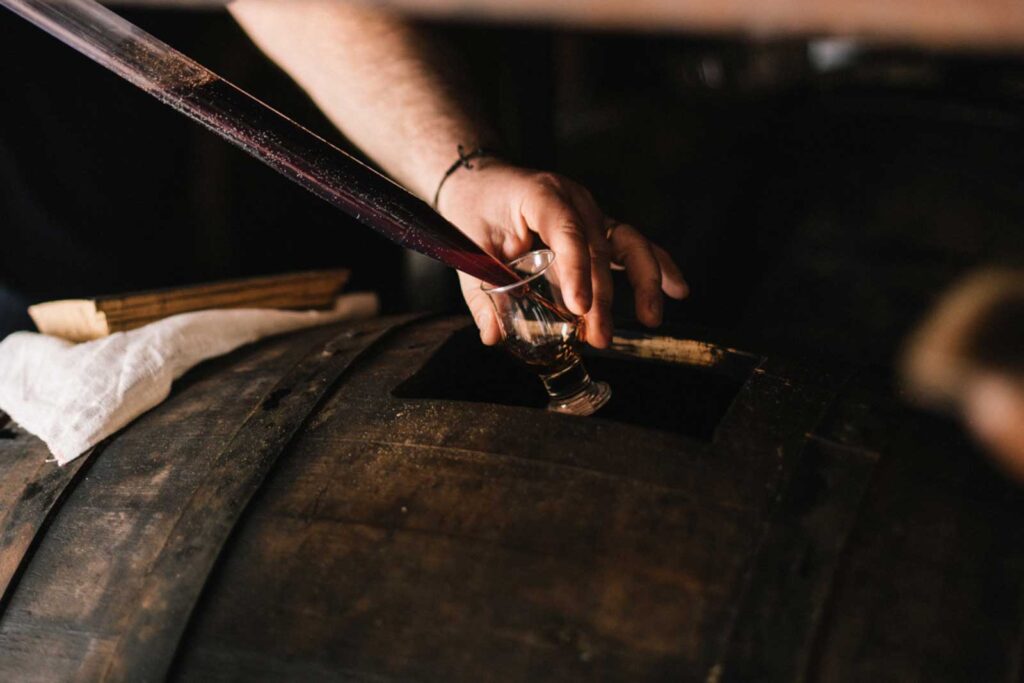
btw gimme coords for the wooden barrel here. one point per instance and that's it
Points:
(384, 501)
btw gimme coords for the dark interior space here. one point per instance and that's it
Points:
(674, 397)
(772, 492)
(818, 195)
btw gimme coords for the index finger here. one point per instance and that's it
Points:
(555, 219)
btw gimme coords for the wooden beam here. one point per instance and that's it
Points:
(977, 24)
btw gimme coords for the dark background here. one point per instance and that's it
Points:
(817, 207)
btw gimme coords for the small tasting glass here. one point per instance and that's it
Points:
(541, 332)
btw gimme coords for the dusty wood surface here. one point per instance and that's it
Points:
(83, 580)
(506, 530)
(31, 489)
(22, 459)
(177, 575)
(819, 531)
(781, 611)
(942, 23)
(931, 587)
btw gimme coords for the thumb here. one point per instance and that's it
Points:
(481, 309)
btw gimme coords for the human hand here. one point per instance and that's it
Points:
(994, 411)
(501, 207)
(968, 355)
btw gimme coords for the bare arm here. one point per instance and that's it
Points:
(392, 93)
(374, 76)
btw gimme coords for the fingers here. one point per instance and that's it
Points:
(599, 317)
(672, 282)
(481, 309)
(554, 217)
(643, 268)
(994, 410)
(569, 221)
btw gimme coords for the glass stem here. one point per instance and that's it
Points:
(568, 382)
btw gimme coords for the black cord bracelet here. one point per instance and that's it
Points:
(464, 161)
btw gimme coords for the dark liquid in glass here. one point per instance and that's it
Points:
(557, 362)
(549, 358)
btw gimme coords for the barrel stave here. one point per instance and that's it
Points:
(931, 587)
(85, 575)
(811, 528)
(502, 529)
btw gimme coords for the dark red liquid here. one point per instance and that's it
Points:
(333, 175)
(549, 358)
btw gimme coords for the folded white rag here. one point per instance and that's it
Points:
(72, 396)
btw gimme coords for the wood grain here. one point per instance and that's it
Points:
(77, 588)
(179, 572)
(31, 488)
(823, 531)
(503, 529)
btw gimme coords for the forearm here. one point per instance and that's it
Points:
(378, 79)
(392, 93)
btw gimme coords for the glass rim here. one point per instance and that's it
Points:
(491, 289)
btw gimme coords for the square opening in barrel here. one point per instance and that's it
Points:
(674, 396)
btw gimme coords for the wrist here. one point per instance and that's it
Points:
(463, 197)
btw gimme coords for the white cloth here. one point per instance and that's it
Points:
(72, 396)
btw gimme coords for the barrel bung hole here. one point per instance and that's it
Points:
(674, 397)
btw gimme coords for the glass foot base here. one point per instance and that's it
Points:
(586, 402)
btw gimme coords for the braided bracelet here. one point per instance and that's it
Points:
(464, 161)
